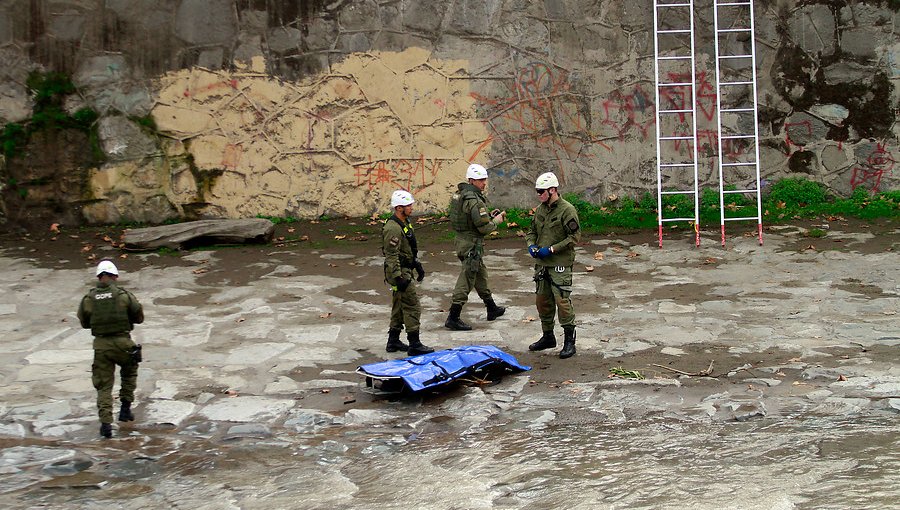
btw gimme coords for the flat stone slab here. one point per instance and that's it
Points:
(16, 430)
(200, 233)
(167, 412)
(24, 456)
(246, 409)
(60, 356)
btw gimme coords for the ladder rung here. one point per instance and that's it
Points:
(723, 30)
(724, 83)
(676, 57)
(678, 219)
(676, 137)
(737, 137)
(674, 31)
(733, 110)
(743, 219)
(675, 165)
(676, 111)
(673, 5)
(677, 192)
(723, 57)
(749, 163)
(732, 4)
(676, 84)
(734, 191)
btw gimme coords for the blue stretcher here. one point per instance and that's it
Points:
(427, 371)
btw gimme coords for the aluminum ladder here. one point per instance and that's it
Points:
(676, 121)
(738, 141)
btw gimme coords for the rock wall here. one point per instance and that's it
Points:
(234, 108)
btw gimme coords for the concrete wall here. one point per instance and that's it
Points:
(305, 108)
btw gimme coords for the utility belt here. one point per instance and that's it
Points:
(408, 264)
(544, 273)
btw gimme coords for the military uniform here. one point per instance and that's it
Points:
(557, 226)
(400, 251)
(111, 312)
(471, 222)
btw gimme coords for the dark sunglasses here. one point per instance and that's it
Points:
(540, 191)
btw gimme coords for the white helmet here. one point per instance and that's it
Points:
(547, 180)
(401, 197)
(106, 266)
(476, 171)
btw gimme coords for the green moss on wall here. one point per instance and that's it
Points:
(49, 91)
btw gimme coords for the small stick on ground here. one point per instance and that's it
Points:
(702, 373)
(476, 381)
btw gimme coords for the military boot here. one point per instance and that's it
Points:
(394, 344)
(493, 311)
(125, 413)
(415, 345)
(454, 322)
(568, 349)
(545, 342)
(106, 430)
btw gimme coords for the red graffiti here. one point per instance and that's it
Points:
(408, 174)
(231, 156)
(708, 141)
(231, 84)
(621, 112)
(678, 97)
(804, 125)
(541, 107)
(879, 163)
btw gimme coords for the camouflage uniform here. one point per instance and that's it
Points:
(398, 245)
(471, 225)
(557, 226)
(111, 312)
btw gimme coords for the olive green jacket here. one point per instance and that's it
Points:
(555, 226)
(475, 219)
(397, 248)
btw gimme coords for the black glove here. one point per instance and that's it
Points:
(402, 283)
(420, 271)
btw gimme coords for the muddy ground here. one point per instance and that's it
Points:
(353, 241)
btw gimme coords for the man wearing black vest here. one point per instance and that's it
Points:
(111, 312)
(400, 250)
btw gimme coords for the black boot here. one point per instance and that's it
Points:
(545, 342)
(454, 322)
(415, 345)
(493, 311)
(125, 413)
(568, 349)
(394, 344)
(106, 430)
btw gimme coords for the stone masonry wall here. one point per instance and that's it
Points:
(234, 108)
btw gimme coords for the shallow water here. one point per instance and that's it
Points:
(806, 461)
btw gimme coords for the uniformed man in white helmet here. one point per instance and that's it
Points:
(400, 250)
(555, 230)
(111, 312)
(471, 218)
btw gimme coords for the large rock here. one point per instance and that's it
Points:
(193, 233)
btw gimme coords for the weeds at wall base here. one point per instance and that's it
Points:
(787, 200)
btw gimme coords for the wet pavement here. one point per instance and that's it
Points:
(248, 398)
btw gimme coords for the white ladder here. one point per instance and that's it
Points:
(736, 162)
(676, 121)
